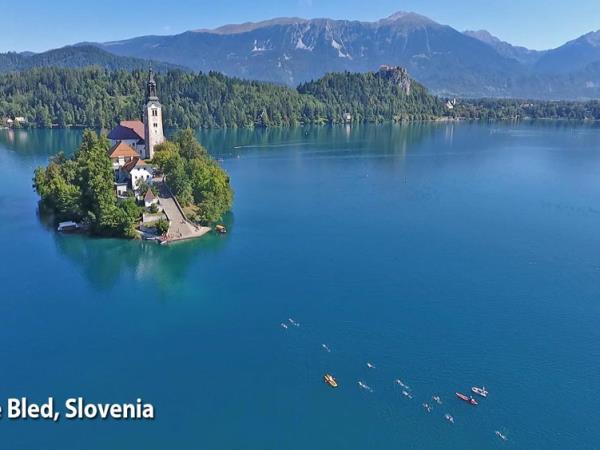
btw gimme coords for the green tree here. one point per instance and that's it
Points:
(163, 153)
(188, 145)
(82, 188)
(162, 226)
(195, 178)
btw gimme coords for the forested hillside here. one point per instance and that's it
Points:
(99, 98)
(374, 96)
(76, 57)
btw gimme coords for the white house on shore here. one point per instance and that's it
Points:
(137, 171)
(130, 169)
(17, 121)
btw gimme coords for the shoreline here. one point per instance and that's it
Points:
(441, 119)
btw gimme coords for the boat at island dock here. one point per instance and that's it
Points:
(68, 226)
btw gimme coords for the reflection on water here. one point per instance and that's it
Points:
(34, 143)
(105, 262)
(232, 142)
(398, 138)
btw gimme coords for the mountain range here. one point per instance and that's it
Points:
(449, 62)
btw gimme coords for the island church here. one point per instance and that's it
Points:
(133, 142)
(140, 137)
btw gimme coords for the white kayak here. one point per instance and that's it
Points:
(480, 391)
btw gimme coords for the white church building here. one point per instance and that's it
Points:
(142, 137)
(133, 142)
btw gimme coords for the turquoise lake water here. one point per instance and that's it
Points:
(446, 255)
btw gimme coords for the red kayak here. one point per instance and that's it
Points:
(469, 400)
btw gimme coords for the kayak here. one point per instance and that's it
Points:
(469, 400)
(480, 391)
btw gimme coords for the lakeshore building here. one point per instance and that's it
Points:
(9, 123)
(141, 136)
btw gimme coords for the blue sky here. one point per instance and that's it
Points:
(39, 25)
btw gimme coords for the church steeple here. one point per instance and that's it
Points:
(151, 87)
(153, 126)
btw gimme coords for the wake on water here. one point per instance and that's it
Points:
(399, 382)
(365, 386)
(501, 435)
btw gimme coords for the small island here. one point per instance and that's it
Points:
(134, 183)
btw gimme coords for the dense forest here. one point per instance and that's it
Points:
(373, 97)
(99, 98)
(506, 109)
(95, 97)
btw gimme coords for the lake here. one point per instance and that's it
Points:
(447, 255)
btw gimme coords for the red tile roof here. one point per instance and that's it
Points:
(121, 149)
(135, 162)
(127, 129)
(128, 167)
(149, 195)
(135, 125)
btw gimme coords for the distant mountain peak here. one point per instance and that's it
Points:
(405, 17)
(576, 55)
(483, 36)
(520, 54)
(408, 16)
(592, 38)
(251, 26)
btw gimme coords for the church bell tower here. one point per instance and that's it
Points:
(153, 125)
